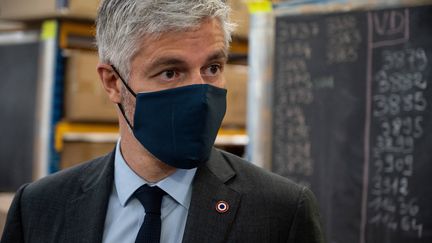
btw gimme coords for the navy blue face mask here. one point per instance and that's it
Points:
(178, 126)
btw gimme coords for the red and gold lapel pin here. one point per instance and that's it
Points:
(222, 207)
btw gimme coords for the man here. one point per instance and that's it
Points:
(162, 63)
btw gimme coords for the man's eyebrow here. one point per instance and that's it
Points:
(174, 61)
(218, 56)
(166, 61)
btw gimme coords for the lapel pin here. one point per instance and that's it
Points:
(222, 207)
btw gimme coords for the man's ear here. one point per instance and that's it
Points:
(110, 82)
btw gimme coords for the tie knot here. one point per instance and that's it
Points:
(150, 198)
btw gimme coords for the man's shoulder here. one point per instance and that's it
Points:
(266, 194)
(256, 180)
(66, 181)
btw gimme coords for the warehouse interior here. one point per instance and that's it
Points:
(308, 99)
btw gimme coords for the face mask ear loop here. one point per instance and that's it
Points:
(124, 115)
(124, 83)
(120, 106)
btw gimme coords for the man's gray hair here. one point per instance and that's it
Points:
(121, 25)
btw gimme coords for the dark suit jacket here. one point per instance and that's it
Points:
(70, 206)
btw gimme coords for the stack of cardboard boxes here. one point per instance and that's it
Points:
(85, 102)
(85, 98)
(236, 83)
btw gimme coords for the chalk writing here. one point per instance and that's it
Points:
(398, 104)
(343, 39)
(294, 90)
(298, 31)
(389, 23)
(389, 27)
(407, 60)
(350, 115)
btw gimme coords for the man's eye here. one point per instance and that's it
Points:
(169, 74)
(213, 70)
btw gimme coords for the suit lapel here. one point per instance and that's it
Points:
(205, 223)
(85, 213)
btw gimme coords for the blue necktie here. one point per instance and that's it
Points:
(151, 199)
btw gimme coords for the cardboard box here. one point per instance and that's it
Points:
(74, 153)
(5, 202)
(85, 98)
(11, 26)
(236, 83)
(240, 16)
(42, 9)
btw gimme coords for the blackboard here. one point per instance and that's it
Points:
(352, 119)
(18, 70)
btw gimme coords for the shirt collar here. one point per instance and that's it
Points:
(178, 185)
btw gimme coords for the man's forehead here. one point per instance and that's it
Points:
(202, 28)
(205, 42)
